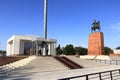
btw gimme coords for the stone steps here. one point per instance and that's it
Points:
(44, 68)
(41, 64)
(17, 64)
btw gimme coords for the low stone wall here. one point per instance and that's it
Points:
(7, 60)
(115, 55)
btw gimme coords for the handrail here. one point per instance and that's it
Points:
(87, 75)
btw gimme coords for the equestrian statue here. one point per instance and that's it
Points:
(95, 25)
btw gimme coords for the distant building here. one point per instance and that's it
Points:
(116, 51)
(30, 45)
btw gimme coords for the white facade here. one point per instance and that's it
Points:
(116, 51)
(16, 45)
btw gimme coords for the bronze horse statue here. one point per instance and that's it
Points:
(96, 25)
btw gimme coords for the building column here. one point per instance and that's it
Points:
(55, 48)
(36, 47)
(49, 49)
(21, 47)
(16, 46)
(9, 48)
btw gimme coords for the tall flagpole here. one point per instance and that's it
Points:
(45, 27)
(45, 19)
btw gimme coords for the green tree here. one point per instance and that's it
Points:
(59, 50)
(81, 50)
(84, 51)
(107, 50)
(78, 50)
(2, 53)
(118, 47)
(68, 50)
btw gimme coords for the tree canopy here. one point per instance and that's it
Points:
(71, 50)
(58, 50)
(81, 50)
(118, 47)
(3, 53)
(107, 50)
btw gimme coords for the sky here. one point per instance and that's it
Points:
(69, 21)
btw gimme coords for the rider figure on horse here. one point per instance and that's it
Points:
(96, 25)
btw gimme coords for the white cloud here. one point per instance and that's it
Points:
(116, 27)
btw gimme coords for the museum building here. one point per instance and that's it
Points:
(30, 45)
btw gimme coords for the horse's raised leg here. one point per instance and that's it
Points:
(99, 29)
(91, 30)
(94, 30)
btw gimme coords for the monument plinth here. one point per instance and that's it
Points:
(96, 44)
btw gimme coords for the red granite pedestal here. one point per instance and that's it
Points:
(96, 44)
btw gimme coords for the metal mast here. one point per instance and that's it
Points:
(45, 19)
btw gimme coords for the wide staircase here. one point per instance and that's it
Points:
(39, 64)
(67, 62)
(44, 68)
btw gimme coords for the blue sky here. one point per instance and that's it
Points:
(69, 21)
